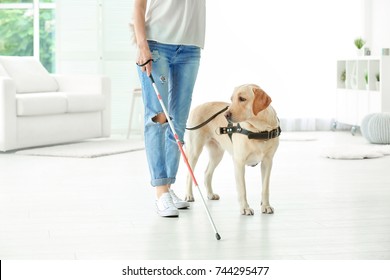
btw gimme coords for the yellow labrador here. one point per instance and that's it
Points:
(250, 108)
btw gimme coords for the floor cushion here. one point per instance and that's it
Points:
(376, 128)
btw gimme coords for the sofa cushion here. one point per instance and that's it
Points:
(28, 74)
(81, 102)
(51, 103)
(47, 103)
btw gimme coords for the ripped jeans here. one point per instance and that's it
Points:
(174, 69)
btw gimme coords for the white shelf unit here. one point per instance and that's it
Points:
(360, 93)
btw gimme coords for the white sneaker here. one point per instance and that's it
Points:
(165, 206)
(179, 203)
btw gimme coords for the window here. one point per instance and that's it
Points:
(27, 28)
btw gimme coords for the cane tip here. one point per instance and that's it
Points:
(217, 236)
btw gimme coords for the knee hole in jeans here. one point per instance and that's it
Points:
(159, 118)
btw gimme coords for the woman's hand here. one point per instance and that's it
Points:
(143, 56)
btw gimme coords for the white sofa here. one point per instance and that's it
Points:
(37, 108)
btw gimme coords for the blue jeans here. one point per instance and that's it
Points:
(175, 68)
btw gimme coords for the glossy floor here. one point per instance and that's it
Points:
(103, 208)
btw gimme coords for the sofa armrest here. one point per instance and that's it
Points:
(95, 84)
(8, 125)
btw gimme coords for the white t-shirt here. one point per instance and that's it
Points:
(178, 22)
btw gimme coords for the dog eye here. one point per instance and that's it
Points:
(241, 99)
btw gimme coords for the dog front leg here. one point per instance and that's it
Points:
(266, 167)
(189, 194)
(215, 157)
(239, 169)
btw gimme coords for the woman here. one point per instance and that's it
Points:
(170, 35)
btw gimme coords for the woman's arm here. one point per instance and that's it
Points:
(140, 35)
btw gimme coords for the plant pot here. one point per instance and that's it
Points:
(360, 52)
(378, 85)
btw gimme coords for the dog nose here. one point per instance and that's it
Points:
(228, 116)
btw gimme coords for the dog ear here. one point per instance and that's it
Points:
(261, 101)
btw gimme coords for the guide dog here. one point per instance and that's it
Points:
(255, 139)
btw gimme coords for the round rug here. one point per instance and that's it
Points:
(356, 151)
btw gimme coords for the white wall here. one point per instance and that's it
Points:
(378, 26)
(287, 47)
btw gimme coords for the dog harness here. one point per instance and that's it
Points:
(230, 129)
(262, 135)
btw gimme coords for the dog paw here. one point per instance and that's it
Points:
(267, 209)
(189, 198)
(213, 196)
(247, 211)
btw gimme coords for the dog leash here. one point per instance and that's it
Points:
(208, 120)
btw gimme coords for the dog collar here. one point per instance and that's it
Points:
(262, 135)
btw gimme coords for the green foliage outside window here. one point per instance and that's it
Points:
(47, 39)
(16, 1)
(25, 1)
(17, 33)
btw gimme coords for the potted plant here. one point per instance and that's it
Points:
(366, 79)
(377, 77)
(359, 43)
(343, 77)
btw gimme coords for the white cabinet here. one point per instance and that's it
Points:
(358, 91)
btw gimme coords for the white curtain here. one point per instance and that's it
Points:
(93, 38)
